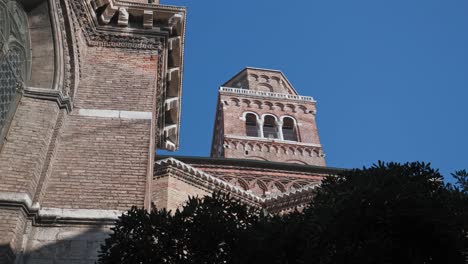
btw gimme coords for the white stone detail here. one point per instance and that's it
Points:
(17, 198)
(115, 114)
(88, 214)
(266, 94)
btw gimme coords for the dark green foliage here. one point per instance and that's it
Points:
(204, 231)
(462, 179)
(389, 213)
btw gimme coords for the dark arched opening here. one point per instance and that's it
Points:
(289, 129)
(251, 128)
(269, 127)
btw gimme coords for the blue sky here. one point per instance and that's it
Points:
(390, 77)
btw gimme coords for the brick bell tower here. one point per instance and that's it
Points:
(260, 116)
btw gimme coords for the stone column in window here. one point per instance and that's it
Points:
(279, 128)
(260, 127)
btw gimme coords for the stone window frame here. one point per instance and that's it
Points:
(250, 127)
(276, 125)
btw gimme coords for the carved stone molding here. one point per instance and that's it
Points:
(275, 202)
(63, 102)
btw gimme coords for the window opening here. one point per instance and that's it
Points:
(289, 130)
(251, 125)
(269, 127)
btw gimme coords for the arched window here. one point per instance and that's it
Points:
(14, 59)
(269, 127)
(251, 129)
(289, 129)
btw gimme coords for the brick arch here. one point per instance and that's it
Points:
(235, 101)
(264, 87)
(257, 147)
(276, 184)
(257, 187)
(265, 77)
(280, 106)
(246, 102)
(303, 108)
(269, 104)
(290, 107)
(253, 77)
(258, 104)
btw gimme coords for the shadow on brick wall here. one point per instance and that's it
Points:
(6, 254)
(67, 245)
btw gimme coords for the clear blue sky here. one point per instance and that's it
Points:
(390, 77)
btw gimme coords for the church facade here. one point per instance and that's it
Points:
(89, 89)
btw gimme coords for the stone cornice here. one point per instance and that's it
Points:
(266, 95)
(53, 216)
(63, 102)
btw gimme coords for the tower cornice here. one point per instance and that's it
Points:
(266, 95)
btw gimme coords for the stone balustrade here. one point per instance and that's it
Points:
(267, 94)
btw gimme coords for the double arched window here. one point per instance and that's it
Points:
(269, 127)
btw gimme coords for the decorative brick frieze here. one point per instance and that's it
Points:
(275, 200)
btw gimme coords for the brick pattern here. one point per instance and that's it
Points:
(101, 164)
(117, 79)
(23, 154)
(171, 192)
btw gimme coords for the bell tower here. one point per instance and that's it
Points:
(260, 116)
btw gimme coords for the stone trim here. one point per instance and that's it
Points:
(266, 94)
(63, 102)
(57, 215)
(16, 198)
(135, 115)
(79, 214)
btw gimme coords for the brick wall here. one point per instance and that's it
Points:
(170, 191)
(25, 149)
(102, 162)
(117, 79)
